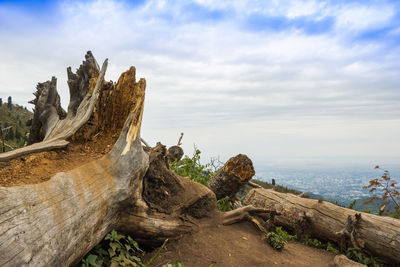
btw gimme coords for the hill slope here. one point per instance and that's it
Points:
(16, 117)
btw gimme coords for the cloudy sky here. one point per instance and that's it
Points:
(311, 83)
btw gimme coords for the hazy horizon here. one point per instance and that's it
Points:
(303, 84)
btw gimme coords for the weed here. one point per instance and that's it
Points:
(284, 234)
(191, 167)
(331, 248)
(357, 255)
(351, 205)
(313, 242)
(114, 250)
(276, 241)
(225, 204)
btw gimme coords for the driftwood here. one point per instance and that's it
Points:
(229, 179)
(130, 188)
(377, 235)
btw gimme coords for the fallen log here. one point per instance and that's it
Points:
(377, 235)
(229, 179)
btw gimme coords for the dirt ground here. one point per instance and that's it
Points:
(40, 167)
(237, 245)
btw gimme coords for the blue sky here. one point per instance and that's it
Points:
(286, 82)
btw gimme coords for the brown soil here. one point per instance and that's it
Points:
(236, 245)
(40, 167)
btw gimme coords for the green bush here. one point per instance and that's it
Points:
(357, 255)
(331, 248)
(284, 234)
(192, 168)
(115, 250)
(276, 241)
(225, 204)
(313, 242)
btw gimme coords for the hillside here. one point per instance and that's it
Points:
(16, 116)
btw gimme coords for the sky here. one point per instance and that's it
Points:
(289, 83)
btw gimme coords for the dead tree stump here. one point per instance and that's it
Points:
(235, 173)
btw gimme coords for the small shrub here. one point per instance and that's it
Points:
(357, 255)
(115, 250)
(313, 242)
(192, 168)
(276, 241)
(225, 204)
(331, 248)
(284, 234)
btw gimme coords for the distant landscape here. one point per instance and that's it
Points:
(341, 185)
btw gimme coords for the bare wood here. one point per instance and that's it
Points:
(35, 148)
(376, 234)
(57, 222)
(56, 129)
(235, 173)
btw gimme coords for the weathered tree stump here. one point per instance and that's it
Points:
(229, 179)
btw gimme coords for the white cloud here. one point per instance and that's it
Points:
(358, 17)
(285, 92)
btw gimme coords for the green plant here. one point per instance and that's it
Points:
(275, 240)
(351, 205)
(194, 170)
(115, 250)
(388, 193)
(331, 248)
(224, 204)
(313, 242)
(284, 234)
(191, 167)
(357, 255)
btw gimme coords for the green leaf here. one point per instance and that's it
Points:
(91, 259)
(111, 252)
(114, 246)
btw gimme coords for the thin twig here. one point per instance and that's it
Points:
(157, 254)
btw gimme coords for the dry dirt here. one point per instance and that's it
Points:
(40, 167)
(237, 245)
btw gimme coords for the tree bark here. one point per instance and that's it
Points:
(379, 236)
(235, 173)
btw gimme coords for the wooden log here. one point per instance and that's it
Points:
(377, 235)
(235, 173)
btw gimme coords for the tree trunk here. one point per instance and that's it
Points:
(380, 236)
(55, 223)
(235, 173)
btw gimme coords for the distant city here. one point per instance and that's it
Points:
(341, 185)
